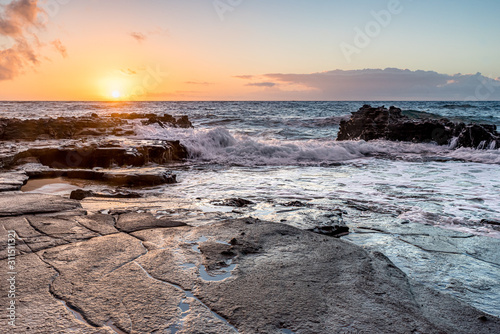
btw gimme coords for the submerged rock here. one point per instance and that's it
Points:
(81, 194)
(236, 202)
(381, 123)
(131, 222)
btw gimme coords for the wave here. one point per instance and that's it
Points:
(458, 106)
(219, 146)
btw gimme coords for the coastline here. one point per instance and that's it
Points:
(119, 252)
(134, 273)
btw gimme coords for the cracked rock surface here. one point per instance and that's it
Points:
(133, 273)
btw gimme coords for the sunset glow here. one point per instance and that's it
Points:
(251, 50)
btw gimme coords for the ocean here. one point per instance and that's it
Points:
(390, 194)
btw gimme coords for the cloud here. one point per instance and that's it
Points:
(128, 71)
(16, 19)
(60, 47)
(198, 83)
(388, 84)
(16, 16)
(245, 77)
(139, 37)
(261, 84)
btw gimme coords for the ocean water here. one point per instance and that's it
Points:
(273, 153)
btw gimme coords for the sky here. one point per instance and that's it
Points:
(249, 50)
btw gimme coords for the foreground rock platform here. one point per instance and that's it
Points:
(133, 273)
(390, 124)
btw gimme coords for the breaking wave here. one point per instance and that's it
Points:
(219, 146)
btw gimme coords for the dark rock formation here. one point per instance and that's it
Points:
(105, 157)
(236, 202)
(77, 127)
(380, 123)
(336, 231)
(119, 178)
(81, 194)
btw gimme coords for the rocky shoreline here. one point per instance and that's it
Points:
(134, 273)
(370, 123)
(128, 271)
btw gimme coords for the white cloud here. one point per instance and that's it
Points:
(389, 84)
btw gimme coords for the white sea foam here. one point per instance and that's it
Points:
(218, 145)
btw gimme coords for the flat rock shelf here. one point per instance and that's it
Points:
(134, 273)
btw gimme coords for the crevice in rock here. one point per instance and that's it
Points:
(482, 260)
(431, 250)
(189, 293)
(92, 230)
(42, 232)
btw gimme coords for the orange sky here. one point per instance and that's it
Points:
(175, 50)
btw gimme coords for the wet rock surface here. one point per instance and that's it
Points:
(235, 202)
(145, 177)
(77, 127)
(381, 123)
(81, 194)
(96, 156)
(133, 273)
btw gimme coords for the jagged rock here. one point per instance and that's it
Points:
(77, 127)
(490, 222)
(295, 204)
(236, 202)
(336, 231)
(105, 157)
(81, 194)
(380, 123)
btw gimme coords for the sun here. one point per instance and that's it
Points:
(116, 94)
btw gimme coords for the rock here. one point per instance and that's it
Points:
(78, 127)
(144, 177)
(237, 276)
(380, 123)
(490, 222)
(37, 310)
(99, 223)
(17, 204)
(301, 282)
(131, 222)
(12, 181)
(81, 194)
(104, 157)
(236, 202)
(296, 204)
(336, 231)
